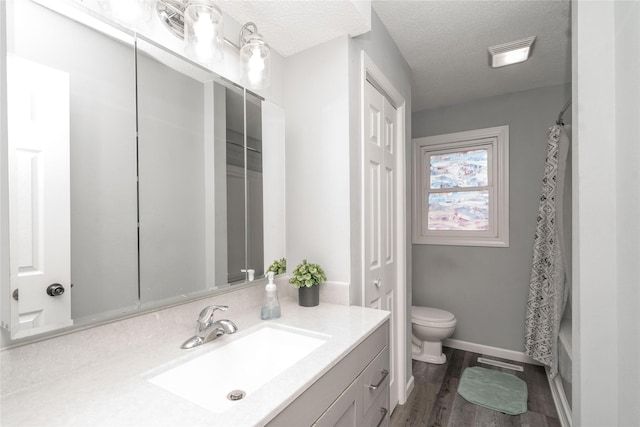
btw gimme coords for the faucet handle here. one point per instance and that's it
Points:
(207, 313)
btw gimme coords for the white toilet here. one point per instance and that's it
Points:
(430, 326)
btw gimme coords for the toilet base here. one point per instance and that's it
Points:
(429, 352)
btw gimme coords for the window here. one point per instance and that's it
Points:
(461, 188)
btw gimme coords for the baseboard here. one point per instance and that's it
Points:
(560, 400)
(409, 389)
(516, 356)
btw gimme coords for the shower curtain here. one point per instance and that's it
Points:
(547, 288)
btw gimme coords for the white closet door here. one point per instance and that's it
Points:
(380, 213)
(39, 193)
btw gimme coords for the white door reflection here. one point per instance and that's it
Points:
(39, 195)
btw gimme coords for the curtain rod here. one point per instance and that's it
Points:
(564, 108)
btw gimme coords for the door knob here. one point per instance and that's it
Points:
(377, 283)
(55, 289)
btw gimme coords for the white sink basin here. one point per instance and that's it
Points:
(246, 364)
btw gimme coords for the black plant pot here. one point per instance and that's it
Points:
(309, 296)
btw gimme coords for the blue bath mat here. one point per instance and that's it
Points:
(494, 390)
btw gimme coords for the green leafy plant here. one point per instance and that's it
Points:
(278, 266)
(307, 275)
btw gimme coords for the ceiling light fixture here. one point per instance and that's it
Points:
(255, 58)
(510, 53)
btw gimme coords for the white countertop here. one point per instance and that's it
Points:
(97, 376)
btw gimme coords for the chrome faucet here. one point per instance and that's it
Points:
(207, 329)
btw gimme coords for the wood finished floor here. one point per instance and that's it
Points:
(435, 403)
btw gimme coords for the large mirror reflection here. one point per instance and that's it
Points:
(137, 178)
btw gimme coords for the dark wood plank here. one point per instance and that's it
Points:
(553, 421)
(443, 406)
(415, 412)
(463, 413)
(533, 419)
(540, 399)
(434, 400)
(487, 417)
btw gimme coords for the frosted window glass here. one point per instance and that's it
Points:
(460, 210)
(459, 169)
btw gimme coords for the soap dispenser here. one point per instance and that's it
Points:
(271, 306)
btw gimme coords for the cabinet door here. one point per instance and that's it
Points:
(345, 411)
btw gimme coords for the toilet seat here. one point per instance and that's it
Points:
(433, 317)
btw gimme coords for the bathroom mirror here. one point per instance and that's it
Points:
(137, 177)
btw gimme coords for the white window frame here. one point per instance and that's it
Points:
(496, 141)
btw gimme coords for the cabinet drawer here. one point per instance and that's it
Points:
(378, 414)
(375, 379)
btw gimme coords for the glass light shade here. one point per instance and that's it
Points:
(203, 31)
(255, 60)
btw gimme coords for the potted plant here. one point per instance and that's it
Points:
(306, 277)
(278, 266)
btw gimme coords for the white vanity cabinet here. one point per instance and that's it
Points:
(355, 392)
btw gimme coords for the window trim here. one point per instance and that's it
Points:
(497, 138)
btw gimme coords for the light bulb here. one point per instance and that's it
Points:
(203, 31)
(256, 67)
(204, 35)
(255, 58)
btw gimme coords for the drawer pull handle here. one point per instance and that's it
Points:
(383, 411)
(385, 373)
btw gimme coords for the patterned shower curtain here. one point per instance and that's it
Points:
(547, 288)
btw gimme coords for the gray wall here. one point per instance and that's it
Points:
(317, 158)
(486, 288)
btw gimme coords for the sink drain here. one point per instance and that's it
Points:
(236, 395)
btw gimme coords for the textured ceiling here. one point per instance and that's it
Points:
(445, 42)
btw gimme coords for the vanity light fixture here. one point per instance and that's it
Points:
(199, 23)
(510, 53)
(255, 58)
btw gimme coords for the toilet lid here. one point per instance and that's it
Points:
(431, 314)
